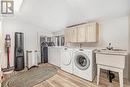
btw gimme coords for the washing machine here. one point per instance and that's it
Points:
(84, 64)
(66, 60)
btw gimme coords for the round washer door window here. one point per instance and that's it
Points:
(82, 61)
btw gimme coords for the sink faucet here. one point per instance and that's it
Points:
(110, 47)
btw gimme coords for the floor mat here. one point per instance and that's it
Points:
(30, 77)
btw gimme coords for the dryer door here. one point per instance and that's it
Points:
(81, 61)
(67, 57)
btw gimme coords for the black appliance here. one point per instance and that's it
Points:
(19, 51)
(44, 52)
(45, 42)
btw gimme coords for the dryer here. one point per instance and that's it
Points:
(66, 60)
(84, 64)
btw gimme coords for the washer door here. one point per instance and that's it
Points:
(81, 61)
(67, 56)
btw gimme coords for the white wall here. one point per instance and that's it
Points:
(129, 49)
(0, 33)
(116, 32)
(0, 42)
(0, 24)
(30, 35)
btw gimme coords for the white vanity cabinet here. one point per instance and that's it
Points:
(54, 55)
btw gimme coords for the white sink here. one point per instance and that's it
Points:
(111, 58)
(115, 51)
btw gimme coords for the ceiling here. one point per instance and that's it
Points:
(55, 15)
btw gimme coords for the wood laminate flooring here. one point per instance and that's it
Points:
(63, 79)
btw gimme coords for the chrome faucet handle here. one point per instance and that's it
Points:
(109, 47)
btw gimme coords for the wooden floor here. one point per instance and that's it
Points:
(63, 79)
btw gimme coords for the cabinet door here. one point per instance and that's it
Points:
(73, 34)
(59, 51)
(54, 55)
(67, 35)
(81, 33)
(50, 55)
(91, 32)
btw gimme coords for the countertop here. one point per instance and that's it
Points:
(111, 52)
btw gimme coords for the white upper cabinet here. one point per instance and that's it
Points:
(82, 33)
